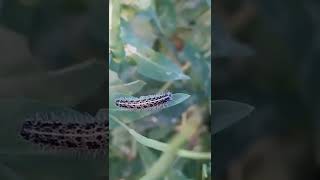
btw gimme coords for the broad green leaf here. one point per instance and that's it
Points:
(128, 88)
(116, 86)
(226, 113)
(131, 116)
(155, 65)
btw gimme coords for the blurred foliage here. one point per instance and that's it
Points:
(52, 58)
(266, 54)
(157, 46)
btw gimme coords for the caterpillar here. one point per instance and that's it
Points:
(151, 102)
(66, 131)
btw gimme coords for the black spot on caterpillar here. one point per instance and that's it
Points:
(151, 102)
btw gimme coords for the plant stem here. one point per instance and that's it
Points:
(167, 159)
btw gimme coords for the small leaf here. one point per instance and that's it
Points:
(128, 88)
(225, 113)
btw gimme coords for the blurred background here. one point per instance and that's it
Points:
(266, 54)
(52, 54)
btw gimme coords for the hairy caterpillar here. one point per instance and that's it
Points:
(151, 102)
(66, 131)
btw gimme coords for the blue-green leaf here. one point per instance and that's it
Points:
(128, 116)
(226, 113)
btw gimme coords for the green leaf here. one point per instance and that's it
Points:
(116, 86)
(226, 113)
(128, 116)
(155, 65)
(128, 88)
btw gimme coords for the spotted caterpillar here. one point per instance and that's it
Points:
(151, 102)
(66, 131)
